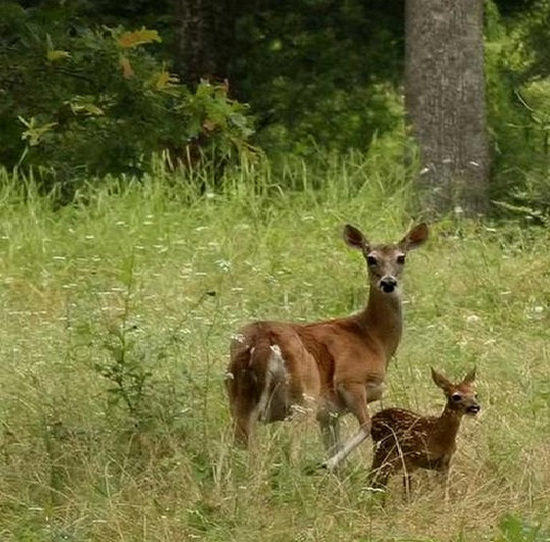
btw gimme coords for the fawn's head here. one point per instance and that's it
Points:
(385, 262)
(461, 397)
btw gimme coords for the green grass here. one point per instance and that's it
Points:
(116, 318)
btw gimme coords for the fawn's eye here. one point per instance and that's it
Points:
(401, 258)
(371, 261)
(456, 397)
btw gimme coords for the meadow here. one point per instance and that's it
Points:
(116, 316)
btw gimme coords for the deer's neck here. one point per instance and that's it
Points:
(382, 319)
(447, 425)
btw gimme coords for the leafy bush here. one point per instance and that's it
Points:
(80, 101)
(518, 93)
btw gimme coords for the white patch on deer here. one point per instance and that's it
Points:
(276, 370)
(276, 365)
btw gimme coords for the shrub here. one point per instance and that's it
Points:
(83, 101)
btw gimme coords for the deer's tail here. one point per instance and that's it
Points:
(255, 385)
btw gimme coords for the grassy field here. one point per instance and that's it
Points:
(116, 317)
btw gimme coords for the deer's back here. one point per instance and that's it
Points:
(325, 348)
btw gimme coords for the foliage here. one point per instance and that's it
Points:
(318, 74)
(103, 104)
(518, 90)
(321, 73)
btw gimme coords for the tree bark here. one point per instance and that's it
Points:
(445, 102)
(204, 39)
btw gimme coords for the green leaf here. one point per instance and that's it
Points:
(138, 37)
(54, 55)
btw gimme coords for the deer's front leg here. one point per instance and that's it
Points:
(354, 396)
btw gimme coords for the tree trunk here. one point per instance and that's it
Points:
(445, 102)
(204, 39)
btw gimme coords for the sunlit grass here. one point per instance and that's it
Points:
(166, 273)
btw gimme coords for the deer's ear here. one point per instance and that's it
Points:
(355, 239)
(470, 377)
(415, 238)
(440, 380)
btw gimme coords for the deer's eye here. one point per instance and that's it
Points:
(371, 261)
(401, 259)
(456, 397)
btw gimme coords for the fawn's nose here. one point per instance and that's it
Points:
(388, 284)
(473, 409)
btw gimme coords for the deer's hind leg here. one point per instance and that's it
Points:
(328, 418)
(245, 417)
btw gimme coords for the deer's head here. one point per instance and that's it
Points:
(461, 397)
(385, 262)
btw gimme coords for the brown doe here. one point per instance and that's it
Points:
(334, 366)
(405, 441)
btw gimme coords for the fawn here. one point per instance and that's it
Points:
(336, 366)
(405, 441)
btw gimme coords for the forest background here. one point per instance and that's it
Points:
(219, 79)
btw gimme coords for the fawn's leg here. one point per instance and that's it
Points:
(443, 475)
(407, 480)
(381, 469)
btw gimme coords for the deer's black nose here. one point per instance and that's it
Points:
(388, 284)
(473, 409)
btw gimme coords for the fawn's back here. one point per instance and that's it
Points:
(410, 437)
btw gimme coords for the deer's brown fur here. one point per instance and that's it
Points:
(406, 441)
(337, 366)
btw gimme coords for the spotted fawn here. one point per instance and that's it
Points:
(406, 441)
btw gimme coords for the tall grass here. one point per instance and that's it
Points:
(117, 311)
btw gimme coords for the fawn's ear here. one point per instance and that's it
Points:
(355, 239)
(416, 237)
(441, 381)
(470, 377)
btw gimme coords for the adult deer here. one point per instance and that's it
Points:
(338, 365)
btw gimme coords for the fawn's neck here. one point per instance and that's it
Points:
(447, 425)
(382, 319)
